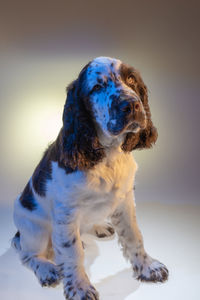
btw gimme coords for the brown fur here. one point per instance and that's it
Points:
(81, 148)
(148, 136)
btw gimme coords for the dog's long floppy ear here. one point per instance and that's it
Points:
(80, 149)
(148, 136)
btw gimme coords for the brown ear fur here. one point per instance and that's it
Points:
(81, 148)
(148, 136)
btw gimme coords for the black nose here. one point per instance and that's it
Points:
(129, 106)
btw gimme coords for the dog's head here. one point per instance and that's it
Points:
(110, 98)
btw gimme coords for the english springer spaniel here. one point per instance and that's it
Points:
(85, 178)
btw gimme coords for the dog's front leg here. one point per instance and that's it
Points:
(124, 220)
(69, 254)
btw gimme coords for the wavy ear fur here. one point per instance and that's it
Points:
(148, 136)
(81, 148)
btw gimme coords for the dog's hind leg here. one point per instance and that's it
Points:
(31, 242)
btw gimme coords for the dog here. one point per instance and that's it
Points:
(86, 178)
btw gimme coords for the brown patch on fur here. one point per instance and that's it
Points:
(81, 148)
(27, 199)
(43, 171)
(148, 136)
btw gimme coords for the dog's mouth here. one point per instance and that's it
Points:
(136, 126)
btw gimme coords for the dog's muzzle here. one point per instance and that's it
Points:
(133, 113)
(127, 115)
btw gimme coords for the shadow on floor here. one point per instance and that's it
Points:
(18, 282)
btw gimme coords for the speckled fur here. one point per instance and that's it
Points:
(86, 177)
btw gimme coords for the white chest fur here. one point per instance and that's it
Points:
(99, 190)
(114, 173)
(107, 185)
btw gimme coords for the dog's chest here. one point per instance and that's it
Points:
(99, 189)
(106, 187)
(113, 177)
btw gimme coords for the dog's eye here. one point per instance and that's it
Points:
(97, 87)
(130, 79)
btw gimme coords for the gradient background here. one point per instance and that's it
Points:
(44, 45)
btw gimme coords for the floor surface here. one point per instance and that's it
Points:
(171, 234)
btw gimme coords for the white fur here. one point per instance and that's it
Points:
(50, 242)
(85, 199)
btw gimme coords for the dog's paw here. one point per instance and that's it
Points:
(150, 270)
(48, 274)
(74, 290)
(102, 231)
